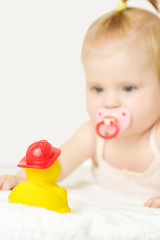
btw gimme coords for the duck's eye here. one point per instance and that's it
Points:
(98, 89)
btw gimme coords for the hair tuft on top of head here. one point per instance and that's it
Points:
(135, 25)
(155, 4)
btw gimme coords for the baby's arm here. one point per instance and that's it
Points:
(75, 151)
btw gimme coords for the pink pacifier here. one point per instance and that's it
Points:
(111, 122)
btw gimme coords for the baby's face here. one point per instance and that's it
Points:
(123, 77)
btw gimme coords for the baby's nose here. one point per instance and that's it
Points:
(111, 100)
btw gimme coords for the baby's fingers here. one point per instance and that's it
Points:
(7, 185)
(7, 182)
(4, 183)
(148, 203)
(153, 202)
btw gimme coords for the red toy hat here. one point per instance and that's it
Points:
(39, 155)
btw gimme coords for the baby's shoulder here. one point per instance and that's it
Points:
(85, 135)
(86, 132)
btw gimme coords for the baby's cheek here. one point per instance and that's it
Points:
(90, 112)
(142, 118)
(91, 109)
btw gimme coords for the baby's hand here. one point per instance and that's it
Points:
(8, 182)
(153, 202)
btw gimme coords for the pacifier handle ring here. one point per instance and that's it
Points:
(112, 123)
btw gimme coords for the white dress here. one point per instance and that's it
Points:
(125, 181)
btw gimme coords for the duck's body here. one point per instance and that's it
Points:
(51, 197)
(42, 170)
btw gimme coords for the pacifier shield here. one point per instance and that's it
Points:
(111, 122)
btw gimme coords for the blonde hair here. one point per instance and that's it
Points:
(142, 24)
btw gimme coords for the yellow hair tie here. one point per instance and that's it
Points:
(121, 5)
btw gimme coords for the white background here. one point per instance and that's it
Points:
(42, 85)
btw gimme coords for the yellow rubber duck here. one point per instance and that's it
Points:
(42, 170)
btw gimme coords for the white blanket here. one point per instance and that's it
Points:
(96, 214)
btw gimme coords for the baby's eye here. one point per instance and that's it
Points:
(128, 89)
(98, 89)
